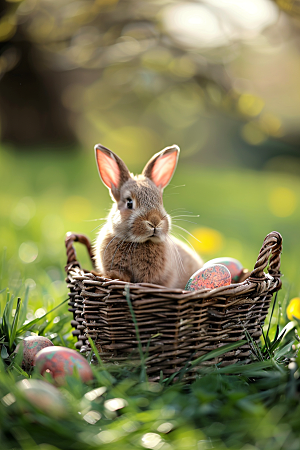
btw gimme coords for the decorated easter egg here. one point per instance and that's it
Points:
(43, 396)
(293, 309)
(233, 265)
(31, 346)
(61, 362)
(209, 278)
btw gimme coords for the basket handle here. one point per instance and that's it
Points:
(269, 253)
(71, 253)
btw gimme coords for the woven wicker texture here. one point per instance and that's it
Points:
(174, 326)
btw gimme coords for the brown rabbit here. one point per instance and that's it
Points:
(135, 244)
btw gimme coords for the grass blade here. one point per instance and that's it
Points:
(6, 317)
(24, 308)
(95, 350)
(13, 332)
(255, 347)
(218, 352)
(289, 326)
(283, 350)
(109, 379)
(246, 368)
(29, 325)
(140, 348)
(213, 354)
(272, 312)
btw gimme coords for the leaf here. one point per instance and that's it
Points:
(24, 308)
(278, 366)
(213, 354)
(4, 352)
(143, 375)
(6, 318)
(253, 344)
(14, 324)
(277, 332)
(108, 377)
(95, 350)
(272, 312)
(20, 371)
(243, 369)
(218, 352)
(289, 326)
(283, 350)
(9, 307)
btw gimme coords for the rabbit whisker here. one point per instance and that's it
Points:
(99, 226)
(183, 229)
(179, 259)
(185, 215)
(118, 246)
(176, 254)
(181, 210)
(162, 219)
(131, 253)
(132, 247)
(123, 253)
(174, 187)
(183, 237)
(130, 250)
(110, 243)
(184, 220)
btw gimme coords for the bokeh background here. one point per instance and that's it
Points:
(219, 78)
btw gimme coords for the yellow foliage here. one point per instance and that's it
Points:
(282, 201)
(209, 241)
(293, 309)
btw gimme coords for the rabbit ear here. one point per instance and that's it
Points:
(161, 166)
(112, 169)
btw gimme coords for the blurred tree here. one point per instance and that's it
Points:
(79, 69)
(30, 106)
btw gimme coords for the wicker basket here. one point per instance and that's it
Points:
(174, 326)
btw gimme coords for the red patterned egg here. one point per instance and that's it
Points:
(43, 396)
(61, 362)
(209, 278)
(233, 265)
(31, 346)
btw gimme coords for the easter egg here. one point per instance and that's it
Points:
(43, 396)
(233, 265)
(61, 362)
(31, 346)
(293, 309)
(209, 278)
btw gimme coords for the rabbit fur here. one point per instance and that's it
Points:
(135, 244)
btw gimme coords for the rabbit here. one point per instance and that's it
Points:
(135, 245)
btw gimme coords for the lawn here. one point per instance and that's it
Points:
(46, 194)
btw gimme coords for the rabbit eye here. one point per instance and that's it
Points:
(129, 203)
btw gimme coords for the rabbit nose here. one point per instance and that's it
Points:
(151, 224)
(153, 228)
(153, 220)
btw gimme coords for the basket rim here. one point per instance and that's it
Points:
(269, 255)
(181, 296)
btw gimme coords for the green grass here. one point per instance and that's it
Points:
(243, 407)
